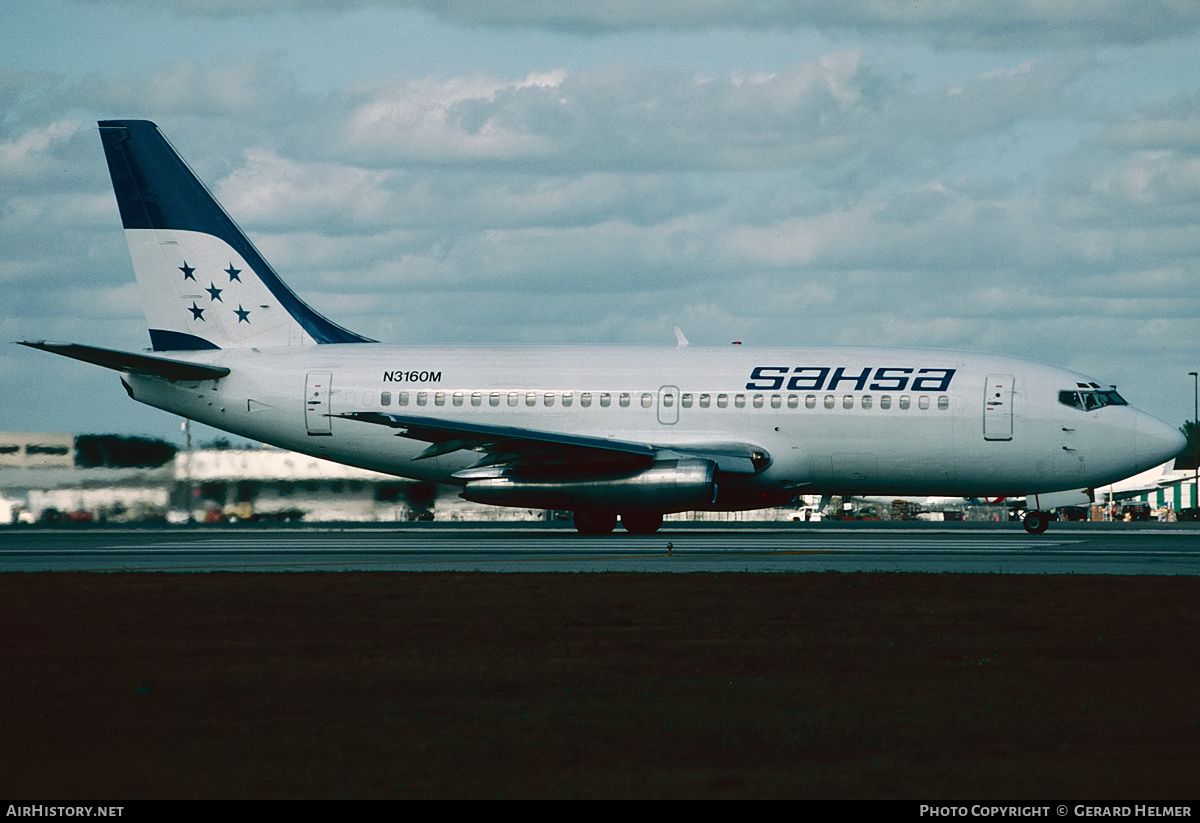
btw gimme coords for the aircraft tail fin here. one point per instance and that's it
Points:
(202, 282)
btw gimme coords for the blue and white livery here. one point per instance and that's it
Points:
(608, 433)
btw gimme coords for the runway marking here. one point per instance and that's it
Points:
(482, 563)
(436, 562)
(583, 552)
(582, 549)
(522, 544)
(499, 550)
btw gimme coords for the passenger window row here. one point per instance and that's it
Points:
(687, 400)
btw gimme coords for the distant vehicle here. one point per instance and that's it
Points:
(806, 514)
(1074, 512)
(1135, 511)
(603, 432)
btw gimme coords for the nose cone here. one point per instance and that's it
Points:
(1157, 440)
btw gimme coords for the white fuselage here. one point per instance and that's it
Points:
(833, 419)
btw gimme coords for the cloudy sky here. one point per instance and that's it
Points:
(1019, 177)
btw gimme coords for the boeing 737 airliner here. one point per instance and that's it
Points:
(604, 432)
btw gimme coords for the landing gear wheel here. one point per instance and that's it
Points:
(594, 522)
(1037, 522)
(641, 522)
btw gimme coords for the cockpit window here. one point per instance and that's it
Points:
(1090, 400)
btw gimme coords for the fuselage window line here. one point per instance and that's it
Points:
(1084, 401)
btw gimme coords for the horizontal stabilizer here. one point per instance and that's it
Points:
(132, 363)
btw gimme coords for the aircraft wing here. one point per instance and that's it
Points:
(516, 446)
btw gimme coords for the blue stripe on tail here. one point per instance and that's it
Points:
(156, 190)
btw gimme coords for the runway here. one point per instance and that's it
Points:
(1128, 549)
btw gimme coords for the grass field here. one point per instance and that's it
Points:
(129, 686)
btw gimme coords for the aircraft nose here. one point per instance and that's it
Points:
(1157, 440)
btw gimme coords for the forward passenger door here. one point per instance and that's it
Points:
(997, 407)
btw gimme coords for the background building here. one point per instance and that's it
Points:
(42, 480)
(25, 450)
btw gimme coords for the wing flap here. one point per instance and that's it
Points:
(509, 443)
(515, 446)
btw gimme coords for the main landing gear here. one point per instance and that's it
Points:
(1036, 522)
(600, 522)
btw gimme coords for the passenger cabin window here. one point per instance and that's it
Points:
(385, 399)
(624, 400)
(605, 399)
(648, 400)
(568, 398)
(585, 399)
(685, 400)
(402, 398)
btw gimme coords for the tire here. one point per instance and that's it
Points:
(1037, 522)
(594, 522)
(641, 522)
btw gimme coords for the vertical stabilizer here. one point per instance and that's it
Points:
(202, 282)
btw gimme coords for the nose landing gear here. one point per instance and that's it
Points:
(1036, 522)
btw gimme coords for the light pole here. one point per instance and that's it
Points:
(1195, 439)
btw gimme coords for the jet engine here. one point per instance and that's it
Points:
(664, 486)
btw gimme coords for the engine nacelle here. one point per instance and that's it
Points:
(666, 486)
